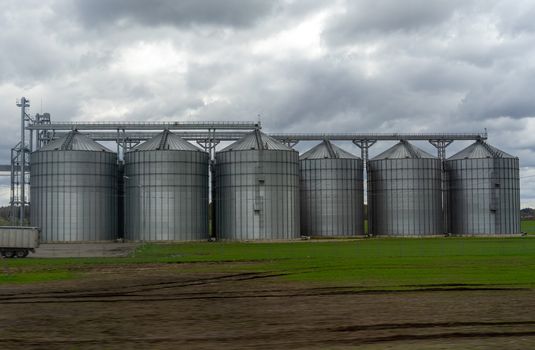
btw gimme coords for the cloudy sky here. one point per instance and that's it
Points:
(303, 66)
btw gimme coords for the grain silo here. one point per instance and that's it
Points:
(404, 192)
(257, 190)
(74, 190)
(166, 190)
(484, 191)
(332, 197)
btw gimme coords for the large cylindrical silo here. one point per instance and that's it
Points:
(257, 190)
(74, 190)
(332, 196)
(484, 191)
(405, 193)
(166, 190)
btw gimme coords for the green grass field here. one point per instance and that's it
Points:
(528, 226)
(368, 263)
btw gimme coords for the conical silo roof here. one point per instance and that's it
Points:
(403, 150)
(166, 140)
(480, 149)
(327, 150)
(74, 141)
(257, 140)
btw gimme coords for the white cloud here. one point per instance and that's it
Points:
(146, 59)
(303, 39)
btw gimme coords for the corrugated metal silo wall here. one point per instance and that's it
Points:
(484, 196)
(257, 195)
(405, 197)
(120, 201)
(332, 197)
(166, 195)
(446, 199)
(74, 195)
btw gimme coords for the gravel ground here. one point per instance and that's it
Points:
(83, 250)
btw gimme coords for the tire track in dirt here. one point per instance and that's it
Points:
(390, 326)
(129, 290)
(116, 297)
(152, 284)
(275, 340)
(136, 290)
(439, 336)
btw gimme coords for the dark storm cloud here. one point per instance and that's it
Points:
(30, 60)
(365, 17)
(509, 95)
(338, 98)
(234, 13)
(25, 58)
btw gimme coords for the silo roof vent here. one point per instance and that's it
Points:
(327, 150)
(166, 140)
(403, 150)
(480, 149)
(257, 140)
(74, 141)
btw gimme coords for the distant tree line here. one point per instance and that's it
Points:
(5, 212)
(527, 213)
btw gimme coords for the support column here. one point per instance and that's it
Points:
(23, 104)
(441, 146)
(364, 146)
(12, 211)
(209, 145)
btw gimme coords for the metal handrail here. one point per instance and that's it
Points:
(152, 125)
(381, 136)
(195, 122)
(235, 135)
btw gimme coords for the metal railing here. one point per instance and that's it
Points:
(235, 135)
(142, 136)
(379, 136)
(139, 125)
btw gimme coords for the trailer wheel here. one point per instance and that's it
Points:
(9, 253)
(21, 253)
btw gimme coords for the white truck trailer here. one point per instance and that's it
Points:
(18, 241)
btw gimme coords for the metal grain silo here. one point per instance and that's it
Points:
(404, 192)
(484, 191)
(74, 190)
(166, 190)
(332, 196)
(257, 190)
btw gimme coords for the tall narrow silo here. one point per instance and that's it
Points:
(404, 192)
(166, 190)
(257, 190)
(74, 190)
(484, 191)
(332, 196)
